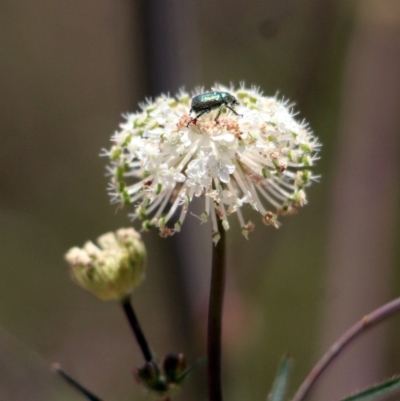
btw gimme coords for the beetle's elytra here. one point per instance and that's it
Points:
(205, 102)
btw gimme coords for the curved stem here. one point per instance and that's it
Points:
(360, 327)
(215, 318)
(134, 323)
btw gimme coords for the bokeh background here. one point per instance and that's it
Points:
(69, 69)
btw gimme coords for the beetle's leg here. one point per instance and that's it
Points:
(198, 115)
(230, 108)
(219, 112)
(192, 120)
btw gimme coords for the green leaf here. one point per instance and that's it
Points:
(281, 382)
(375, 391)
(190, 369)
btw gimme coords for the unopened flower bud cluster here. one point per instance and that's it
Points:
(113, 268)
(161, 160)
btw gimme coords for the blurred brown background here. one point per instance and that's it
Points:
(70, 68)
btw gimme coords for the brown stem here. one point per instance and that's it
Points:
(215, 318)
(134, 323)
(360, 327)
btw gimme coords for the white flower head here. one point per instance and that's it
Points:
(251, 152)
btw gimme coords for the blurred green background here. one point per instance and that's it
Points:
(69, 69)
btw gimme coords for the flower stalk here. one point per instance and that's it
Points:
(137, 330)
(357, 329)
(215, 308)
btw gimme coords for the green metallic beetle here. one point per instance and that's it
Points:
(208, 101)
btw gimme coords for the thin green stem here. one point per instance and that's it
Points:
(215, 318)
(72, 382)
(357, 329)
(137, 331)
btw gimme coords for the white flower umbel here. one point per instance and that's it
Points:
(161, 158)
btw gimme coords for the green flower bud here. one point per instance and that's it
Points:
(113, 268)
